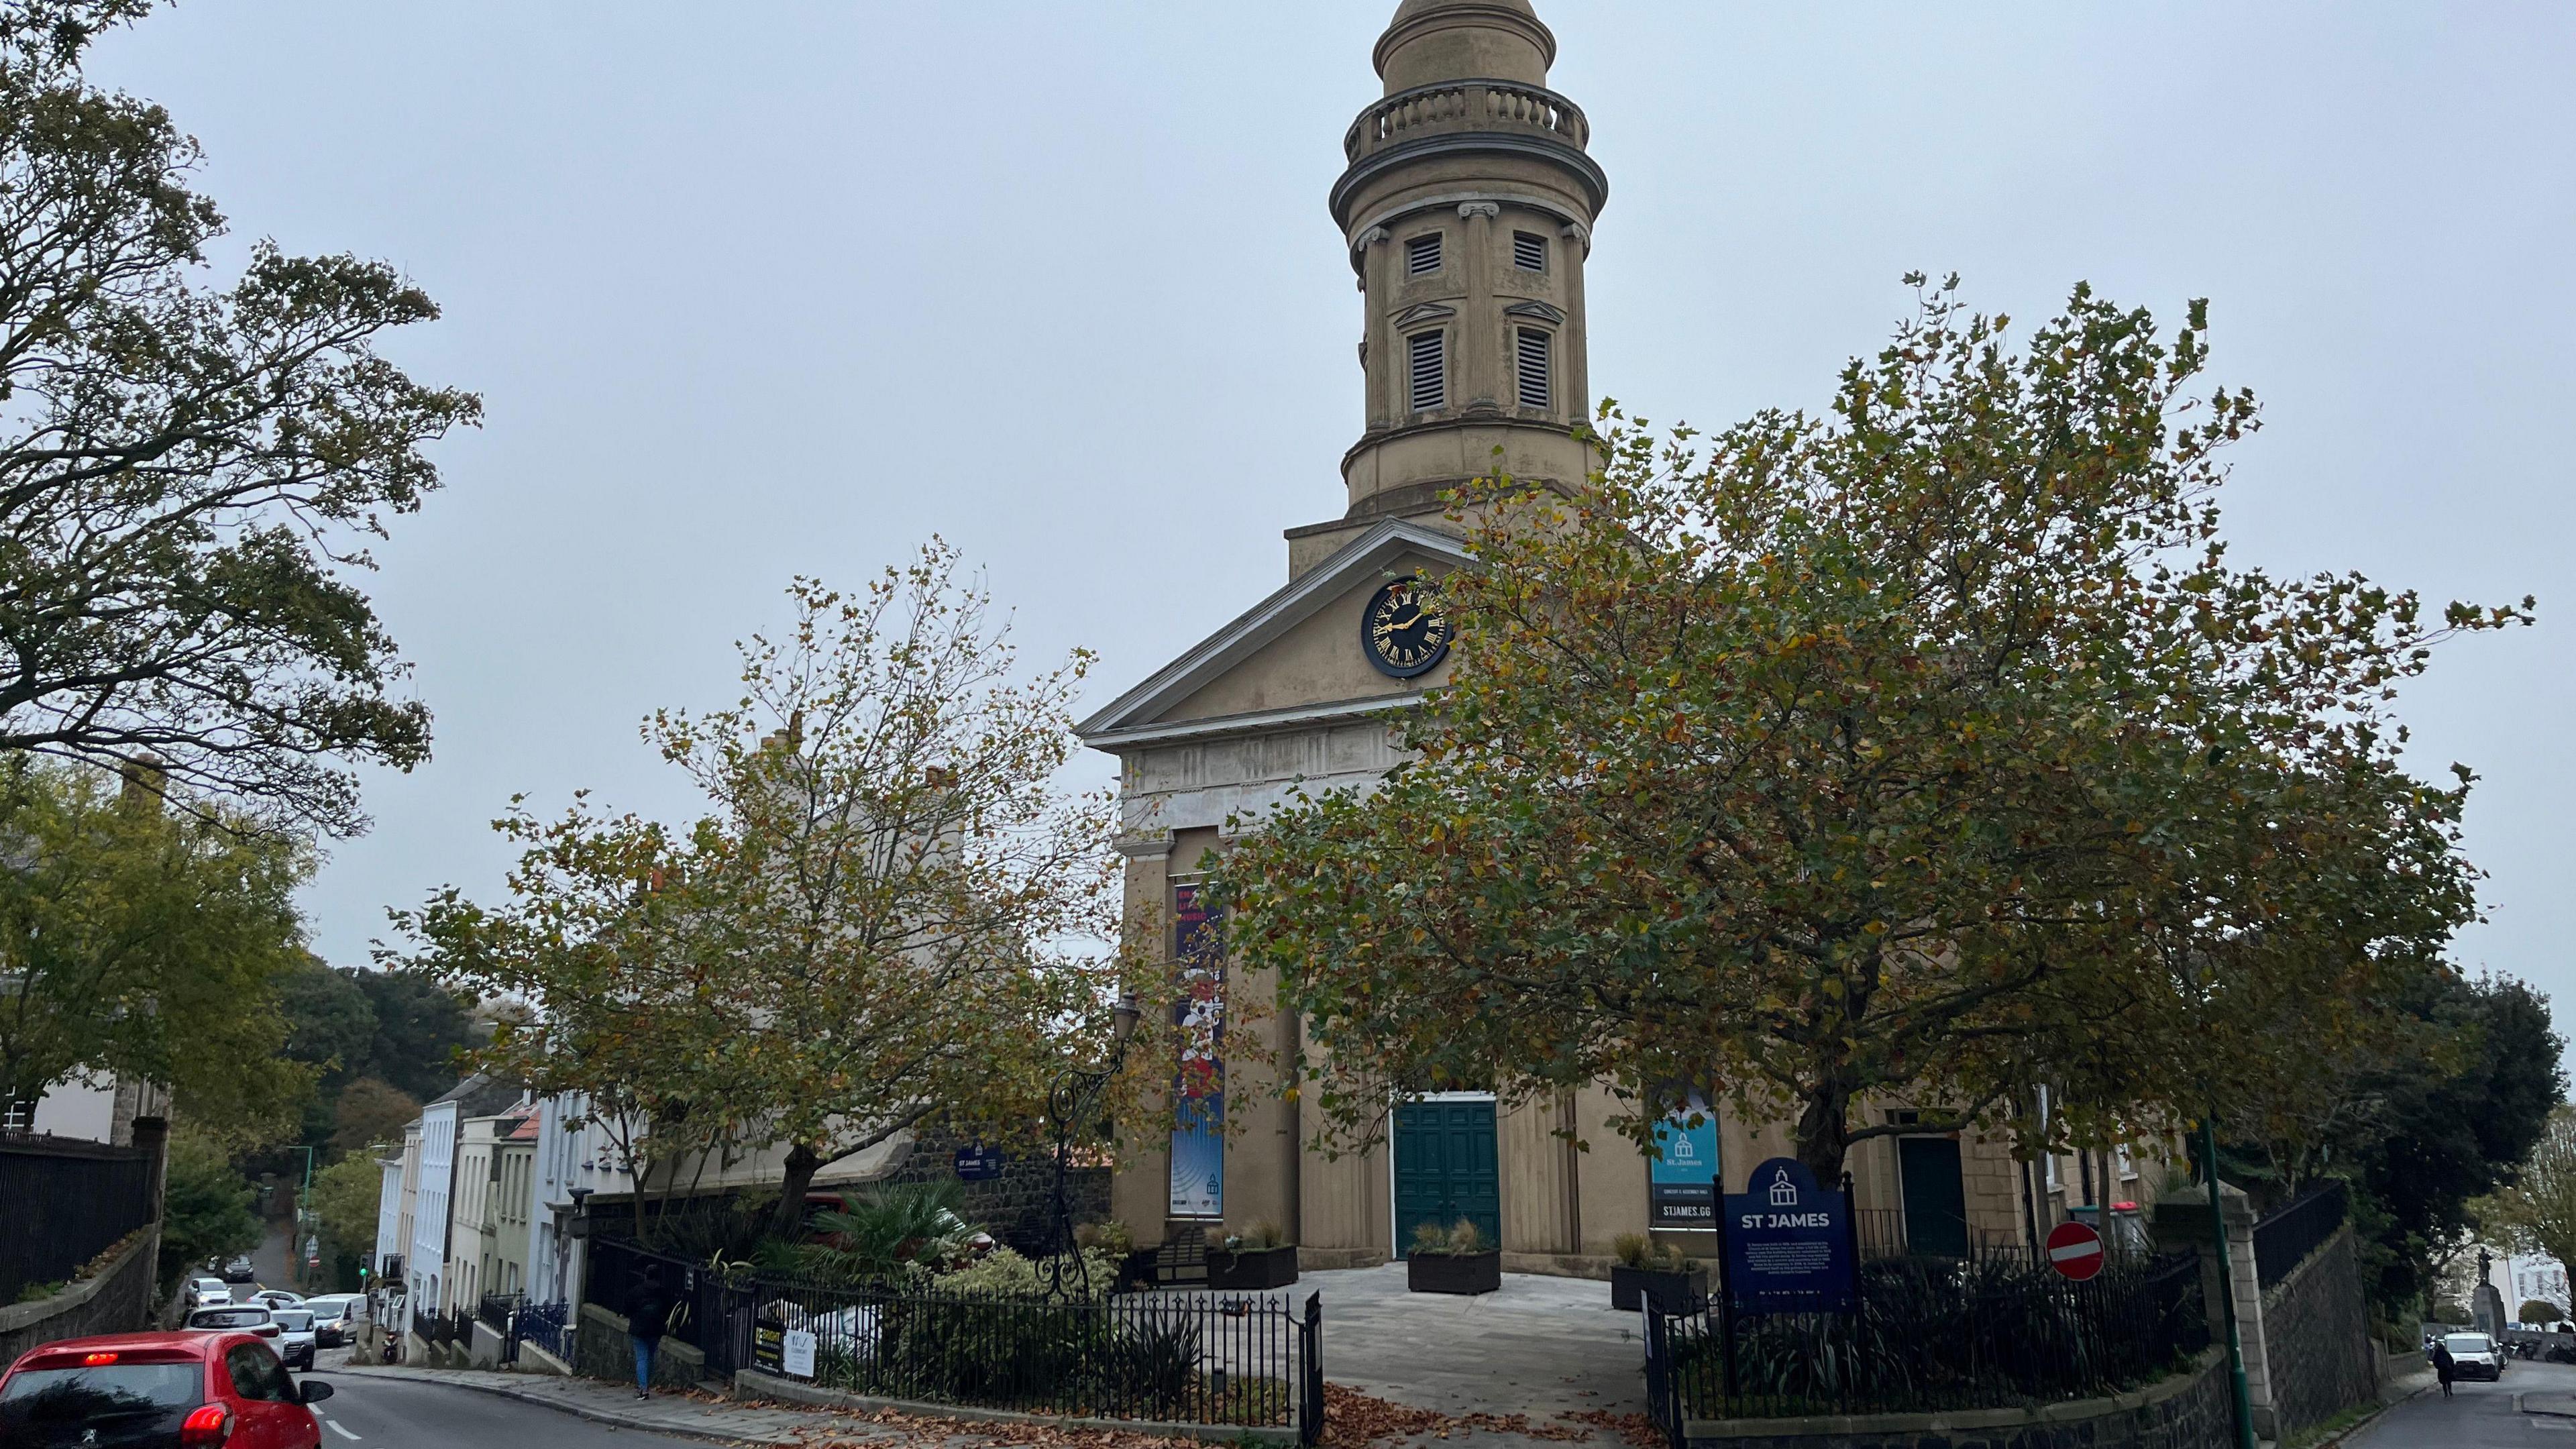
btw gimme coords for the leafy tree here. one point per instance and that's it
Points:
(865, 928)
(188, 473)
(1928, 752)
(421, 1026)
(345, 1197)
(329, 1028)
(2537, 1212)
(205, 1207)
(370, 1111)
(146, 943)
(2539, 1310)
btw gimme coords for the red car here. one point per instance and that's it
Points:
(157, 1391)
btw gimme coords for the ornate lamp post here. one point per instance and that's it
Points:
(1071, 1100)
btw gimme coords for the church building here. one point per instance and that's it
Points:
(1467, 208)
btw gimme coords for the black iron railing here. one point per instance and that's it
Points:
(495, 1311)
(1243, 1360)
(456, 1328)
(66, 1202)
(1931, 1335)
(2283, 1240)
(547, 1325)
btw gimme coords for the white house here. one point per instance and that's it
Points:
(431, 1287)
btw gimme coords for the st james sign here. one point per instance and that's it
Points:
(1788, 1243)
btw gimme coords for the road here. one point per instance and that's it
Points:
(392, 1414)
(2480, 1416)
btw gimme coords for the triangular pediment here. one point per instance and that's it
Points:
(1220, 685)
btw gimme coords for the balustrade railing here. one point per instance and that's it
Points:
(1462, 106)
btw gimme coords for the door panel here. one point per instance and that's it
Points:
(1936, 1200)
(1446, 1168)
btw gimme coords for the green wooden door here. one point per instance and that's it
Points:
(1445, 1169)
(1936, 1200)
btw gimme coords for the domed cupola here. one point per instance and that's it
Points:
(1468, 206)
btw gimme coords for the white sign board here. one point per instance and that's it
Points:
(796, 1354)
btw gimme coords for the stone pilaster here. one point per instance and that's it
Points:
(1480, 323)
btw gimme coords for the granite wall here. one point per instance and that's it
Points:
(119, 1298)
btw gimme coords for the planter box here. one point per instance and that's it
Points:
(1632, 1288)
(1454, 1272)
(1255, 1270)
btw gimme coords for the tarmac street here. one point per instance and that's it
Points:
(2534, 1407)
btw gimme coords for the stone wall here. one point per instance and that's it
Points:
(1013, 1207)
(2316, 1333)
(2188, 1411)
(118, 1299)
(601, 1350)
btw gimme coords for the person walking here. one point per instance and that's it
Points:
(648, 1308)
(2444, 1366)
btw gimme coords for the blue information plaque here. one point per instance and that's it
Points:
(978, 1164)
(1788, 1243)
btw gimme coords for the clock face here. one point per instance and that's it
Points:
(1404, 631)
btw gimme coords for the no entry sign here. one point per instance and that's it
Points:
(2075, 1251)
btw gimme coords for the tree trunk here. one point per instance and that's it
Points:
(787, 1222)
(1824, 1132)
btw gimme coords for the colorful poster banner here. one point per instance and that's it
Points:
(1198, 1088)
(1681, 1183)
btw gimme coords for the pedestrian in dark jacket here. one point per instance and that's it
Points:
(2444, 1366)
(648, 1308)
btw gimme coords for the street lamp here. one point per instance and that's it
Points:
(1070, 1100)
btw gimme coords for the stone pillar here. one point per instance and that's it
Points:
(1379, 366)
(1573, 345)
(2182, 1221)
(1139, 1188)
(1480, 343)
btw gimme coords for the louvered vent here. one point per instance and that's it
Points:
(1529, 251)
(1430, 370)
(1533, 356)
(1422, 254)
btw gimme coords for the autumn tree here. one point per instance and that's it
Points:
(2538, 1211)
(879, 918)
(189, 473)
(1926, 752)
(148, 942)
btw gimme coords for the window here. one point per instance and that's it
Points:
(1422, 254)
(256, 1374)
(1529, 251)
(1429, 370)
(1533, 354)
(17, 1114)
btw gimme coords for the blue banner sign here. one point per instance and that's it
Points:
(1788, 1243)
(1681, 1185)
(978, 1164)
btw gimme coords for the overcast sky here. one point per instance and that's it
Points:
(766, 289)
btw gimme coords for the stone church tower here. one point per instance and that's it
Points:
(1466, 210)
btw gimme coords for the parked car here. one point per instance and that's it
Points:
(251, 1318)
(334, 1316)
(277, 1298)
(149, 1390)
(240, 1269)
(295, 1337)
(2474, 1356)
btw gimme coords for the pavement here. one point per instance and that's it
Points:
(1543, 1346)
(2534, 1405)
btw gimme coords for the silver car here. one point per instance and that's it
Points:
(295, 1340)
(2474, 1356)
